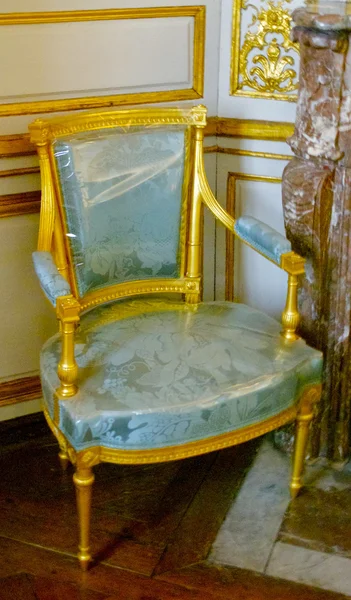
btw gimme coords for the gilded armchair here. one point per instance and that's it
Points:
(141, 370)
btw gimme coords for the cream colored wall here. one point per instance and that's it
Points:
(256, 281)
(134, 56)
(56, 61)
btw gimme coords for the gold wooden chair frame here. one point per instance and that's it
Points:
(70, 305)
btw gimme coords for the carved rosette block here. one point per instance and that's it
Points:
(317, 212)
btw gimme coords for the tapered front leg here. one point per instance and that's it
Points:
(304, 417)
(83, 480)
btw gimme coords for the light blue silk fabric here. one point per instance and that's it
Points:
(266, 240)
(122, 194)
(51, 281)
(154, 374)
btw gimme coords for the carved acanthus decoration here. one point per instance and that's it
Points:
(264, 56)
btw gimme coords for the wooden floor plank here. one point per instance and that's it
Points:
(197, 531)
(18, 587)
(113, 582)
(229, 583)
(136, 509)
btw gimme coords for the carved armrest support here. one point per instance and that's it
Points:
(51, 280)
(265, 240)
(67, 310)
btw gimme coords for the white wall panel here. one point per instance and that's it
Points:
(26, 317)
(257, 282)
(66, 60)
(53, 60)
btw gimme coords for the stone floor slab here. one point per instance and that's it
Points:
(318, 569)
(252, 525)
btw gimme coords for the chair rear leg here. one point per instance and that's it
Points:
(83, 480)
(63, 457)
(303, 420)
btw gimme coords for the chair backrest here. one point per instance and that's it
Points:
(122, 183)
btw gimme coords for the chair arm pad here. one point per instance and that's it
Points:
(262, 238)
(51, 281)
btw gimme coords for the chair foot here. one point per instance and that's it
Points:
(295, 487)
(83, 480)
(304, 417)
(84, 560)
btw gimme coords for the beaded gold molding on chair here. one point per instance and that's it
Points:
(263, 63)
(97, 454)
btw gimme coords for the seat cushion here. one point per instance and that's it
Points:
(155, 373)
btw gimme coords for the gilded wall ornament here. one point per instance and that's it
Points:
(263, 55)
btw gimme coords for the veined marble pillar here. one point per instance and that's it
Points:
(317, 211)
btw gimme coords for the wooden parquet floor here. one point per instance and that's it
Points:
(152, 527)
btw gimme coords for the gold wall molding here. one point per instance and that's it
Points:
(19, 144)
(232, 180)
(12, 146)
(89, 102)
(24, 203)
(254, 129)
(20, 390)
(19, 171)
(263, 60)
(29, 202)
(253, 153)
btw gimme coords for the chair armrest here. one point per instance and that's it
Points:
(51, 281)
(262, 238)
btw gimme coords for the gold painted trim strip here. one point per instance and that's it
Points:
(253, 153)
(19, 172)
(230, 207)
(235, 47)
(20, 390)
(93, 456)
(210, 149)
(16, 145)
(254, 129)
(48, 106)
(75, 16)
(89, 102)
(24, 203)
(211, 126)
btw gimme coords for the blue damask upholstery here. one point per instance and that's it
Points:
(264, 238)
(122, 195)
(51, 281)
(155, 373)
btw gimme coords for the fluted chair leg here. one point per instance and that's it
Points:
(304, 417)
(83, 480)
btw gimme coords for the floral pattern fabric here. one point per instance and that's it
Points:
(122, 195)
(51, 281)
(155, 373)
(262, 237)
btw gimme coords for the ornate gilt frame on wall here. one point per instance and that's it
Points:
(230, 208)
(270, 72)
(88, 102)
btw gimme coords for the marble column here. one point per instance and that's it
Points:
(317, 213)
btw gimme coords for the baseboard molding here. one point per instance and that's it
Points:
(20, 390)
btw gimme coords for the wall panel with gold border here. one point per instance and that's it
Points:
(56, 59)
(249, 182)
(137, 53)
